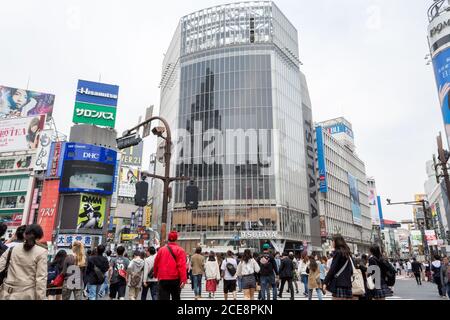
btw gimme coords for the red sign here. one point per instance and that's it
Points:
(48, 208)
(16, 220)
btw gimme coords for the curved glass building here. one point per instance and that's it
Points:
(232, 88)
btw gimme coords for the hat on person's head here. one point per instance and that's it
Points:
(173, 236)
(266, 246)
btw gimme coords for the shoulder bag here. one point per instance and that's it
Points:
(4, 273)
(357, 281)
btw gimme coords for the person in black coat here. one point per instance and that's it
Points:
(375, 260)
(93, 276)
(339, 278)
(286, 271)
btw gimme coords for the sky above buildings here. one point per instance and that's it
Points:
(363, 59)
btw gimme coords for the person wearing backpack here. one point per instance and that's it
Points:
(150, 281)
(55, 268)
(95, 272)
(229, 275)
(268, 273)
(118, 275)
(387, 272)
(135, 275)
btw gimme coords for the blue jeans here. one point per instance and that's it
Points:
(267, 281)
(93, 291)
(153, 287)
(239, 281)
(304, 278)
(197, 279)
(448, 289)
(104, 288)
(319, 293)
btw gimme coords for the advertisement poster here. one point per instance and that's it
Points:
(55, 159)
(133, 156)
(18, 103)
(430, 236)
(15, 163)
(48, 208)
(128, 179)
(416, 238)
(323, 186)
(354, 199)
(43, 151)
(88, 169)
(442, 74)
(92, 212)
(21, 134)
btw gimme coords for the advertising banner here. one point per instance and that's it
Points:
(20, 134)
(128, 179)
(354, 199)
(18, 103)
(88, 168)
(442, 74)
(416, 238)
(339, 128)
(48, 208)
(92, 212)
(55, 159)
(115, 194)
(148, 216)
(13, 221)
(43, 151)
(133, 156)
(96, 103)
(323, 186)
(430, 236)
(15, 163)
(374, 206)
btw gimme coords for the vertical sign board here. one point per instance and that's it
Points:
(43, 151)
(48, 208)
(323, 186)
(148, 216)
(380, 212)
(354, 199)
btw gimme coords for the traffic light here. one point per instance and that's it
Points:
(191, 197)
(140, 198)
(128, 141)
(444, 156)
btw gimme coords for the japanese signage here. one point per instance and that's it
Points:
(15, 163)
(20, 134)
(48, 208)
(92, 212)
(148, 216)
(96, 103)
(129, 237)
(354, 199)
(43, 151)
(17, 103)
(55, 164)
(66, 240)
(323, 186)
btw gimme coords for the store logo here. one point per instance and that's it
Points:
(438, 29)
(88, 92)
(94, 114)
(88, 155)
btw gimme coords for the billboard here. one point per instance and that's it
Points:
(48, 208)
(128, 179)
(17, 103)
(88, 168)
(54, 165)
(373, 206)
(21, 134)
(323, 186)
(12, 220)
(132, 156)
(15, 163)
(442, 74)
(354, 199)
(43, 151)
(96, 103)
(340, 128)
(91, 214)
(430, 236)
(416, 238)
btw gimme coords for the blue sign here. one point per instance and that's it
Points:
(97, 93)
(339, 128)
(380, 212)
(88, 169)
(323, 185)
(354, 199)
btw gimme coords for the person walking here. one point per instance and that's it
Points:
(268, 273)
(150, 281)
(212, 275)
(338, 280)
(55, 268)
(229, 275)
(416, 268)
(135, 273)
(377, 259)
(398, 268)
(427, 268)
(286, 274)
(445, 276)
(198, 269)
(118, 275)
(409, 269)
(323, 272)
(295, 274)
(303, 266)
(314, 282)
(96, 269)
(247, 269)
(239, 278)
(76, 260)
(170, 269)
(436, 266)
(26, 267)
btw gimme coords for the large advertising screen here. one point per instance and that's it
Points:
(354, 199)
(21, 134)
(323, 186)
(48, 208)
(92, 212)
(442, 73)
(96, 103)
(88, 169)
(16, 103)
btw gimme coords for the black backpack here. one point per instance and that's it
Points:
(265, 265)
(98, 275)
(389, 272)
(231, 269)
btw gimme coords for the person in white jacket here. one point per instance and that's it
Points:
(149, 280)
(247, 269)
(302, 270)
(212, 274)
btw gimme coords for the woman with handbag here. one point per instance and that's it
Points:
(75, 261)
(339, 278)
(55, 268)
(314, 282)
(247, 269)
(212, 274)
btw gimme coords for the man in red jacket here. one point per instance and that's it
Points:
(170, 269)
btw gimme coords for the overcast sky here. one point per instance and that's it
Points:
(363, 59)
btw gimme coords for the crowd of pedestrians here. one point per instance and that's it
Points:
(161, 273)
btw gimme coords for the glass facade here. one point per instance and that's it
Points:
(231, 88)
